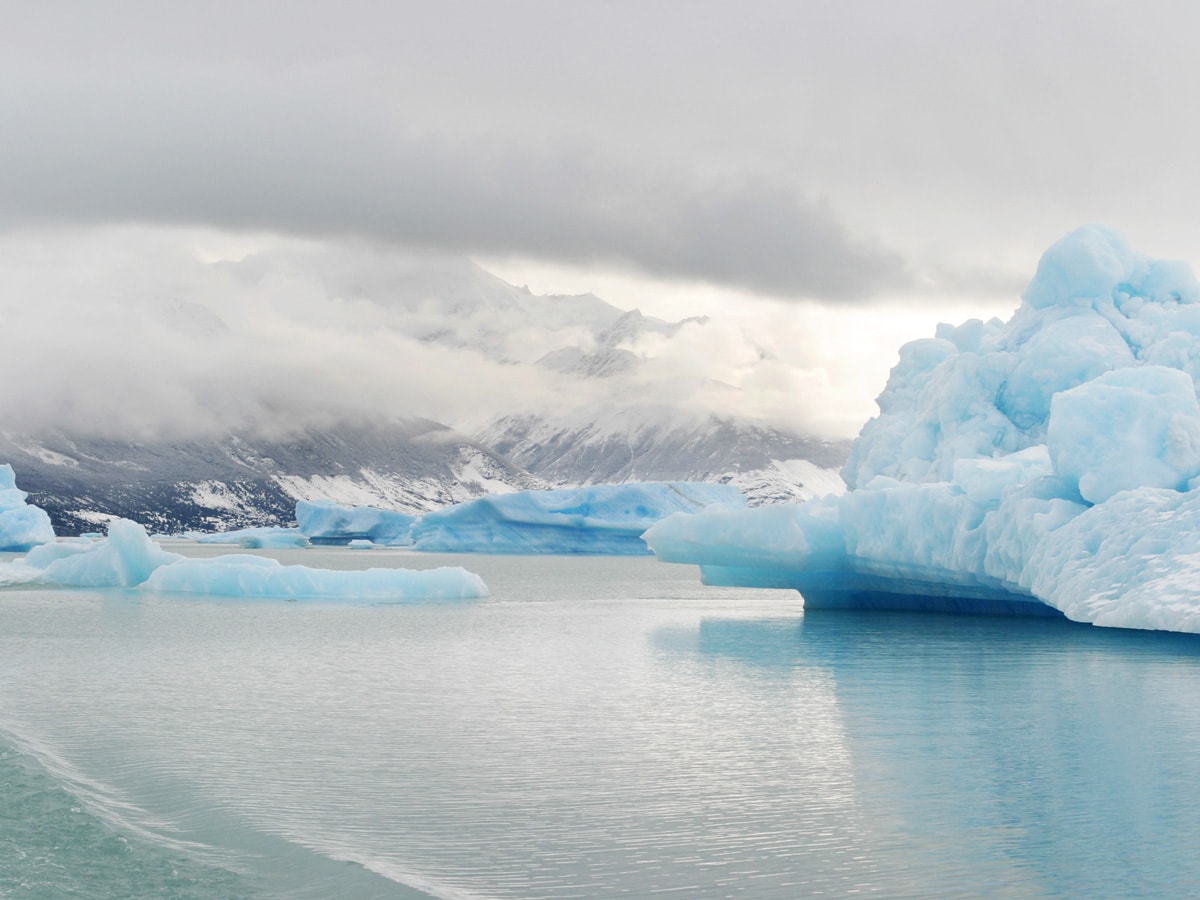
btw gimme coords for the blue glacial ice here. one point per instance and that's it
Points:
(266, 538)
(326, 522)
(22, 525)
(128, 558)
(605, 519)
(256, 576)
(1050, 465)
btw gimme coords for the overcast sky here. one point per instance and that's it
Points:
(875, 166)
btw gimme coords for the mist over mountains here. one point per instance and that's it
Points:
(187, 392)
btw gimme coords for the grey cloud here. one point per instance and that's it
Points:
(213, 150)
(125, 332)
(967, 280)
(128, 332)
(694, 140)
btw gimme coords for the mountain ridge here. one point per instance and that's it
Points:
(242, 480)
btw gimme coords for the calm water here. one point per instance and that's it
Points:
(598, 727)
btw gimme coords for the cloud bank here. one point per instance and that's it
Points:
(213, 150)
(140, 333)
(863, 155)
(848, 151)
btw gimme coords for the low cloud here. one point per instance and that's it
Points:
(128, 333)
(213, 149)
(133, 333)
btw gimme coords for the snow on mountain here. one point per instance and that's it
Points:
(241, 480)
(768, 465)
(442, 300)
(608, 353)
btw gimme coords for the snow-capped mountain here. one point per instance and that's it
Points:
(236, 481)
(768, 465)
(267, 367)
(241, 480)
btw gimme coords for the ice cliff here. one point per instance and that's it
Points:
(1047, 465)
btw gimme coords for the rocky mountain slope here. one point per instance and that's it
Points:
(237, 481)
(241, 480)
(768, 465)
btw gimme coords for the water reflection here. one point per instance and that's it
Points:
(1055, 759)
(598, 728)
(824, 635)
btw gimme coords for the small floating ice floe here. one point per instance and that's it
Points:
(128, 558)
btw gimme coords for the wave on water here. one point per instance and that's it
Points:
(64, 835)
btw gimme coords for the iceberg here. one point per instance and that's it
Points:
(607, 519)
(22, 525)
(260, 577)
(255, 538)
(128, 558)
(1049, 465)
(326, 522)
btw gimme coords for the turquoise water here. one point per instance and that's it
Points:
(598, 727)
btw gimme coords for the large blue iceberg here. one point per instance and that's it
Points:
(1048, 465)
(607, 519)
(327, 522)
(128, 558)
(22, 525)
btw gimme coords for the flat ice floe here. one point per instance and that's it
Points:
(128, 558)
(1047, 465)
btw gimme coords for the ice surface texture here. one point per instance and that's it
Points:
(596, 519)
(326, 522)
(129, 558)
(1048, 465)
(21, 525)
(266, 538)
(602, 518)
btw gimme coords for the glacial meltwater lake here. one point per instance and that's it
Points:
(598, 727)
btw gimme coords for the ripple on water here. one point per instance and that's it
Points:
(602, 727)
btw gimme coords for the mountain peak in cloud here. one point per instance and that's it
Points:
(156, 341)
